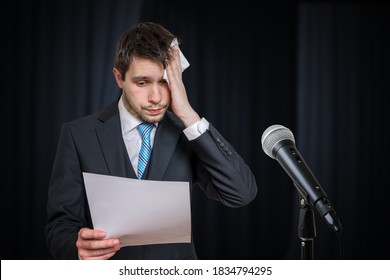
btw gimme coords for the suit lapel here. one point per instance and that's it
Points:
(167, 136)
(109, 134)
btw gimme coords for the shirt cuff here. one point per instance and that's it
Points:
(197, 129)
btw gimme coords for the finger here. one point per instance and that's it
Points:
(174, 71)
(175, 62)
(93, 244)
(87, 233)
(98, 254)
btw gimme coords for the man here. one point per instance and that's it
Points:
(184, 147)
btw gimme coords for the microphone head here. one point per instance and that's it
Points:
(274, 134)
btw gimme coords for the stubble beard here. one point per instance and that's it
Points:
(138, 113)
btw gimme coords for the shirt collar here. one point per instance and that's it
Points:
(128, 121)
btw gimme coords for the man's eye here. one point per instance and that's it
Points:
(141, 83)
(164, 81)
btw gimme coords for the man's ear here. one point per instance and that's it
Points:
(118, 77)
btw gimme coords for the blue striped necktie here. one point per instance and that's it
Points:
(146, 148)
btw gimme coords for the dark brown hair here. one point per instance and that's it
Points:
(144, 40)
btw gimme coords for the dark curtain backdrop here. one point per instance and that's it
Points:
(319, 68)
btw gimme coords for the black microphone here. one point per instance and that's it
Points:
(278, 142)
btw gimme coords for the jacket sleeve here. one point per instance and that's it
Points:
(66, 200)
(222, 173)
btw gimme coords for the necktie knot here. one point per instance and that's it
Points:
(146, 147)
(145, 129)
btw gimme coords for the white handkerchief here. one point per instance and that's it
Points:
(183, 61)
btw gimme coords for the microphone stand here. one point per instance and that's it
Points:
(306, 230)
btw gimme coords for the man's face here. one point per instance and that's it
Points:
(146, 93)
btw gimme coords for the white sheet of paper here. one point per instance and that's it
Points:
(139, 212)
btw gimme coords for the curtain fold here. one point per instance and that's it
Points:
(342, 91)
